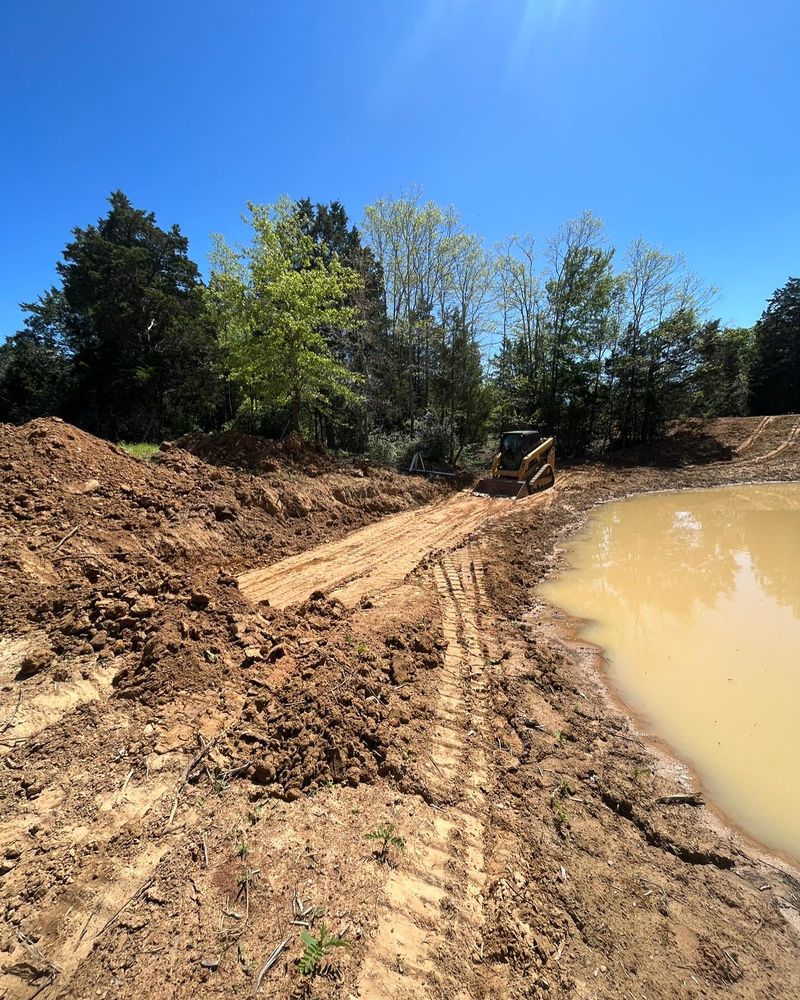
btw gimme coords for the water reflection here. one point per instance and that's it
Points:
(695, 597)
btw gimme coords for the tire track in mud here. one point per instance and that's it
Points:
(790, 439)
(375, 558)
(435, 900)
(767, 429)
(749, 441)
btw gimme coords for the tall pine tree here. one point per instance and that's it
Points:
(775, 375)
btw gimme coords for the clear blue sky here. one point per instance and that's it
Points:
(673, 119)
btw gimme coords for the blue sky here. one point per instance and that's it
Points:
(673, 119)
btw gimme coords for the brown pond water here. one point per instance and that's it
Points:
(694, 598)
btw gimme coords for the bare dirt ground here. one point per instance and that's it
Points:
(220, 671)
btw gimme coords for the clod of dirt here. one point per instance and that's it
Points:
(35, 661)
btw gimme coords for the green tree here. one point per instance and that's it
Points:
(432, 269)
(459, 391)
(652, 362)
(133, 321)
(35, 367)
(363, 346)
(579, 292)
(723, 373)
(273, 301)
(775, 375)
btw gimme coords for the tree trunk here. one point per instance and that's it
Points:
(296, 410)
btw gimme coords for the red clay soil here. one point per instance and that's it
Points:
(188, 776)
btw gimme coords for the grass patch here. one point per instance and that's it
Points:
(145, 451)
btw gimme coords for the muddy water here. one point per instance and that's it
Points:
(695, 599)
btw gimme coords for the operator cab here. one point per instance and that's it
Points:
(514, 446)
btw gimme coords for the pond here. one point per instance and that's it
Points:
(694, 598)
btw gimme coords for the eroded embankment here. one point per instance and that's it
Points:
(180, 806)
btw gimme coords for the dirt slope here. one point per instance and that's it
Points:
(187, 775)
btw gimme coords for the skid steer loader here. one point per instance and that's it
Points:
(525, 464)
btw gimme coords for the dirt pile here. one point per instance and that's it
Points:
(83, 526)
(232, 449)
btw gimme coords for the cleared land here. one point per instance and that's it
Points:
(185, 772)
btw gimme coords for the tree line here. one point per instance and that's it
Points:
(405, 332)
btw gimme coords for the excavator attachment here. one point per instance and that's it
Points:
(525, 464)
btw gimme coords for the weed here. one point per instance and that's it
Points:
(242, 849)
(563, 790)
(361, 649)
(386, 838)
(560, 819)
(318, 948)
(220, 785)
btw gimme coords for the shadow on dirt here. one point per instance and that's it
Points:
(686, 445)
(254, 454)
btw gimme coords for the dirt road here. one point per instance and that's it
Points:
(188, 776)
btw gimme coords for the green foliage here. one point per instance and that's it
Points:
(391, 448)
(416, 337)
(35, 373)
(123, 347)
(386, 838)
(560, 819)
(318, 948)
(140, 450)
(272, 300)
(722, 379)
(133, 321)
(775, 378)
(437, 278)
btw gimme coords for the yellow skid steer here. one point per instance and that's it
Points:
(525, 464)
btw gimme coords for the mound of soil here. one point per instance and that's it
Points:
(112, 564)
(77, 511)
(235, 450)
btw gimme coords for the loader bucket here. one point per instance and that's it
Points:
(508, 488)
(515, 489)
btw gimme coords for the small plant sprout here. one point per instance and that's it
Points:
(242, 848)
(361, 649)
(560, 819)
(562, 791)
(385, 837)
(316, 949)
